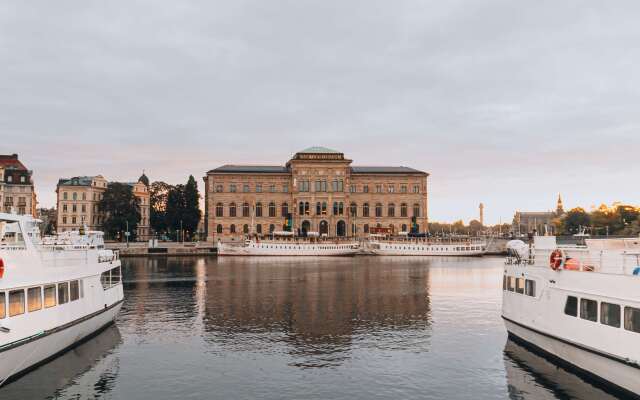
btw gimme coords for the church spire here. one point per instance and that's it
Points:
(559, 207)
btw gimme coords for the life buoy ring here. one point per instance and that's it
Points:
(557, 259)
(1, 268)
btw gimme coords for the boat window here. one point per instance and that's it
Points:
(610, 314)
(115, 276)
(511, 284)
(632, 319)
(16, 302)
(63, 292)
(74, 292)
(3, 305)
(34, 298)
(49, 296)
(105, 279)
(520, 285)
(589, 309)
(530, 288)
(571, 306)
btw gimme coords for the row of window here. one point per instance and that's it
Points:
(74, 196)
(246, 188)
(245, 229)
(610, 313)
(318, 185)
(9, 200)
(321, 208)
(38, 297)
(519, 285)
(23, 178)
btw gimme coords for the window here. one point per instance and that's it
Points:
(353, 189)
(378, 188)
(404, 227)
(245, 210)
(232, 209)
(219, 188)
(303, 186)
(416, 210)
(49, 296)
(259, 228)
(219, 228)
(589, 309)
(365, 228)
(334, 186)
(75, 196)
(64, 208)
(340, 185)
(232, 228)
(258, 209)
(232, 188)
(74, 292)
(318, 208)
(511, 284)
(391, 210)
(365, 189)
(318, 186)
(285, 209)
(34, 299)
(272, 228)
(391, 188)
(16, 302)
(301, 208)
(63, 292)
(530, 288)
(245, 188)
(403, 188)
(64, 195)
(353, 209)
(73, 219)
(115, 276)
(378, 210)
(632, 319)
(259, 188)
(272, 188)
(416, 188)
(74, 208)
(64, 219)
(335, 208)
(219, 210)
(520, 285)
(84, 208)
(272, 209)
(3, 305)
(365, 210)
(610, 314)
(403, 209)
(245, 229)
(285, 188)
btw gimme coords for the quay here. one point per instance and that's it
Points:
(142, 249)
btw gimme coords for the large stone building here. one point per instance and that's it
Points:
(539, 221)
(320, 190)
(17, 193)
(78, 199)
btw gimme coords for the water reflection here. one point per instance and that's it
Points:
(531, 376)
(87, 371)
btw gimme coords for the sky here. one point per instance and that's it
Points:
(503, 102)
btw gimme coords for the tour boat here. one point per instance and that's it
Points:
(54, 292)
(384, 246)
(288, 245)
(578, 304)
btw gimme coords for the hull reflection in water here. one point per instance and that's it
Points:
(87, 371)
(532, 377)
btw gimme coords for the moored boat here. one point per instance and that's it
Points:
(54, 292)
(288, 245)
(408, 246)
(578, 304)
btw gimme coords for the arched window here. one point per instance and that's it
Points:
(416, 210)
(285, 209)
(403, 209)
(219, 210)
(232, 228)
(341, 208)
(306, 208)
(335, 208)
(245, 209)
(391, 210)
(259, 228)
(378, 209)
(232, 209)
(301, 208)
(365, 210)
(324, 208)
(404, 227)
(318, 208)
(366, 228)
(258, 209)
(219, 228)
(353, 209)
(272, 209)
(272, 228)
(245, 229)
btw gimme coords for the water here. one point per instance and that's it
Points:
(278, 328)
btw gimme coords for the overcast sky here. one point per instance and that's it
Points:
(502, 102)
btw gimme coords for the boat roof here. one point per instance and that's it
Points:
(6, 217)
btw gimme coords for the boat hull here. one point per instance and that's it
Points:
(614, 374)
(22, 358)
(384, 252)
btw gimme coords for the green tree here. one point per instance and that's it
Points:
(175, 209)
(158, 193)
(192, 213)
(475, 227)
(574, 219)
(120, 207)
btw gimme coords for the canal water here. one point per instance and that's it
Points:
(324, 328)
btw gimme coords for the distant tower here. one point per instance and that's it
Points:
(559, 207)
(481, 214)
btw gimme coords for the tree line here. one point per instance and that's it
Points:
(619, 219)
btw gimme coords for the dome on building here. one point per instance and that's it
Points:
(144, 179)
(318, 150)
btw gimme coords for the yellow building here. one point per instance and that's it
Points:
(78, 198)
(320, 190)
(17, 192)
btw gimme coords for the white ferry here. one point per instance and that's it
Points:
(54, 293)
(285, 244)
(384, 246)
(579, 305)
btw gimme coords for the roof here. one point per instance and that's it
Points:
(319, 150)
(386, 170)
(76, 181)
(144, 179)
(255, 169)
(10, 161)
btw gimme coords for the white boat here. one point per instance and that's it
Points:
(54, 293)
(424, 247)
(579, 305)
(290, 246)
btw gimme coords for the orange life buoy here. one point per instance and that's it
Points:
(556, 259)
(1, 268)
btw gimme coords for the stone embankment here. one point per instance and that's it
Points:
(142, 249)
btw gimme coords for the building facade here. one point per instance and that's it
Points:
(525, 222)
(17, 193)
(78, 198)
(320, 191)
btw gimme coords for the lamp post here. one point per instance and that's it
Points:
(181, 233)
